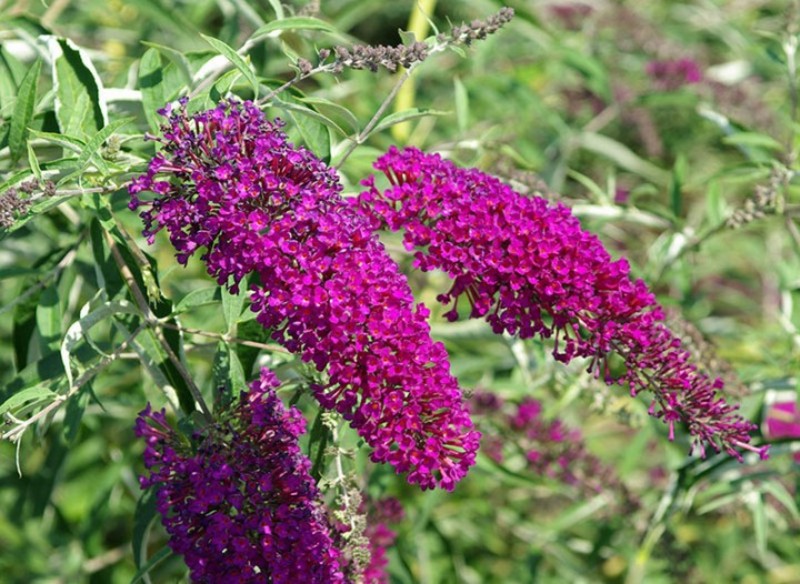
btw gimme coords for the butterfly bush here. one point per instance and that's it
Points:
(227, 181)
(530, 269)
(550, 447)
(238, 502)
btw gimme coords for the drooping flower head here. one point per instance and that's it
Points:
(530, 269)
(239, 502)
(551, 448)
(228, 182)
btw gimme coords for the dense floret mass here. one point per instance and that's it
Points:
(530, 269)
(238, 501)
(227, 181)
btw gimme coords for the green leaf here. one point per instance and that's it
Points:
(166, 16)
(622, 156)
(314, 134)
(151, 83)
(154, 561)
(76, 406)
(221, 87)
(405, 116)
(676, 185)
(36, 394)
(302, 110)
(49, 318)
(231, 308)
(278, 8)
(69, 143)
(715, 204)
(178, 59)
(91, 151)
(236, 59)
(201, 297)
(328, 109)
(319, 437)
(33, 160)
(228, 372)
(143, 518)
(48, 368)
(599, 194)
(783, 496)
(756, 504)
(79, 105)
(23, 112)
(26, 304)
(462, 104)
(753, 139)
(292, 23)
(106, 271)
(250, 330)
(590, 68)
(11, 75)
(77, 330)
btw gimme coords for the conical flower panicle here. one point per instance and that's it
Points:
(529, 269)
(228, 182)
(239, 503)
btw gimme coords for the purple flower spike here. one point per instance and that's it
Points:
(227, 181)
(239, 503)
(670, 75)
(783, 421)
(529, 269)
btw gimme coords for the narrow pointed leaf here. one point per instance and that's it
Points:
(23, 112)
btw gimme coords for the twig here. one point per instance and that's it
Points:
(16, 433)
(223, 337)
(364, 134)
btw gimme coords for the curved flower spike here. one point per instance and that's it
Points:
(228, 181)
(530, 269)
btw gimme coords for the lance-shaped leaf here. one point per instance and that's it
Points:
(236, 59)
(77, 330)
(80, 108)
(23, 112)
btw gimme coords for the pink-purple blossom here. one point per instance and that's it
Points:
(551, 448)
(672, 74)
(783, 421)
(530, 269)
(228, 183)
(237, 499)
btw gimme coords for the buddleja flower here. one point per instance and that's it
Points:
(227, 181)
(551, 448)
(670, 75)
(529, 269)
(239, 502)
(783, 421)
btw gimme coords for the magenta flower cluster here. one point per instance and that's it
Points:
(381, 537)
(672, 74)
(530, 269)
(550, 447)
(238, 502)
(782, 422)
(227, 181)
